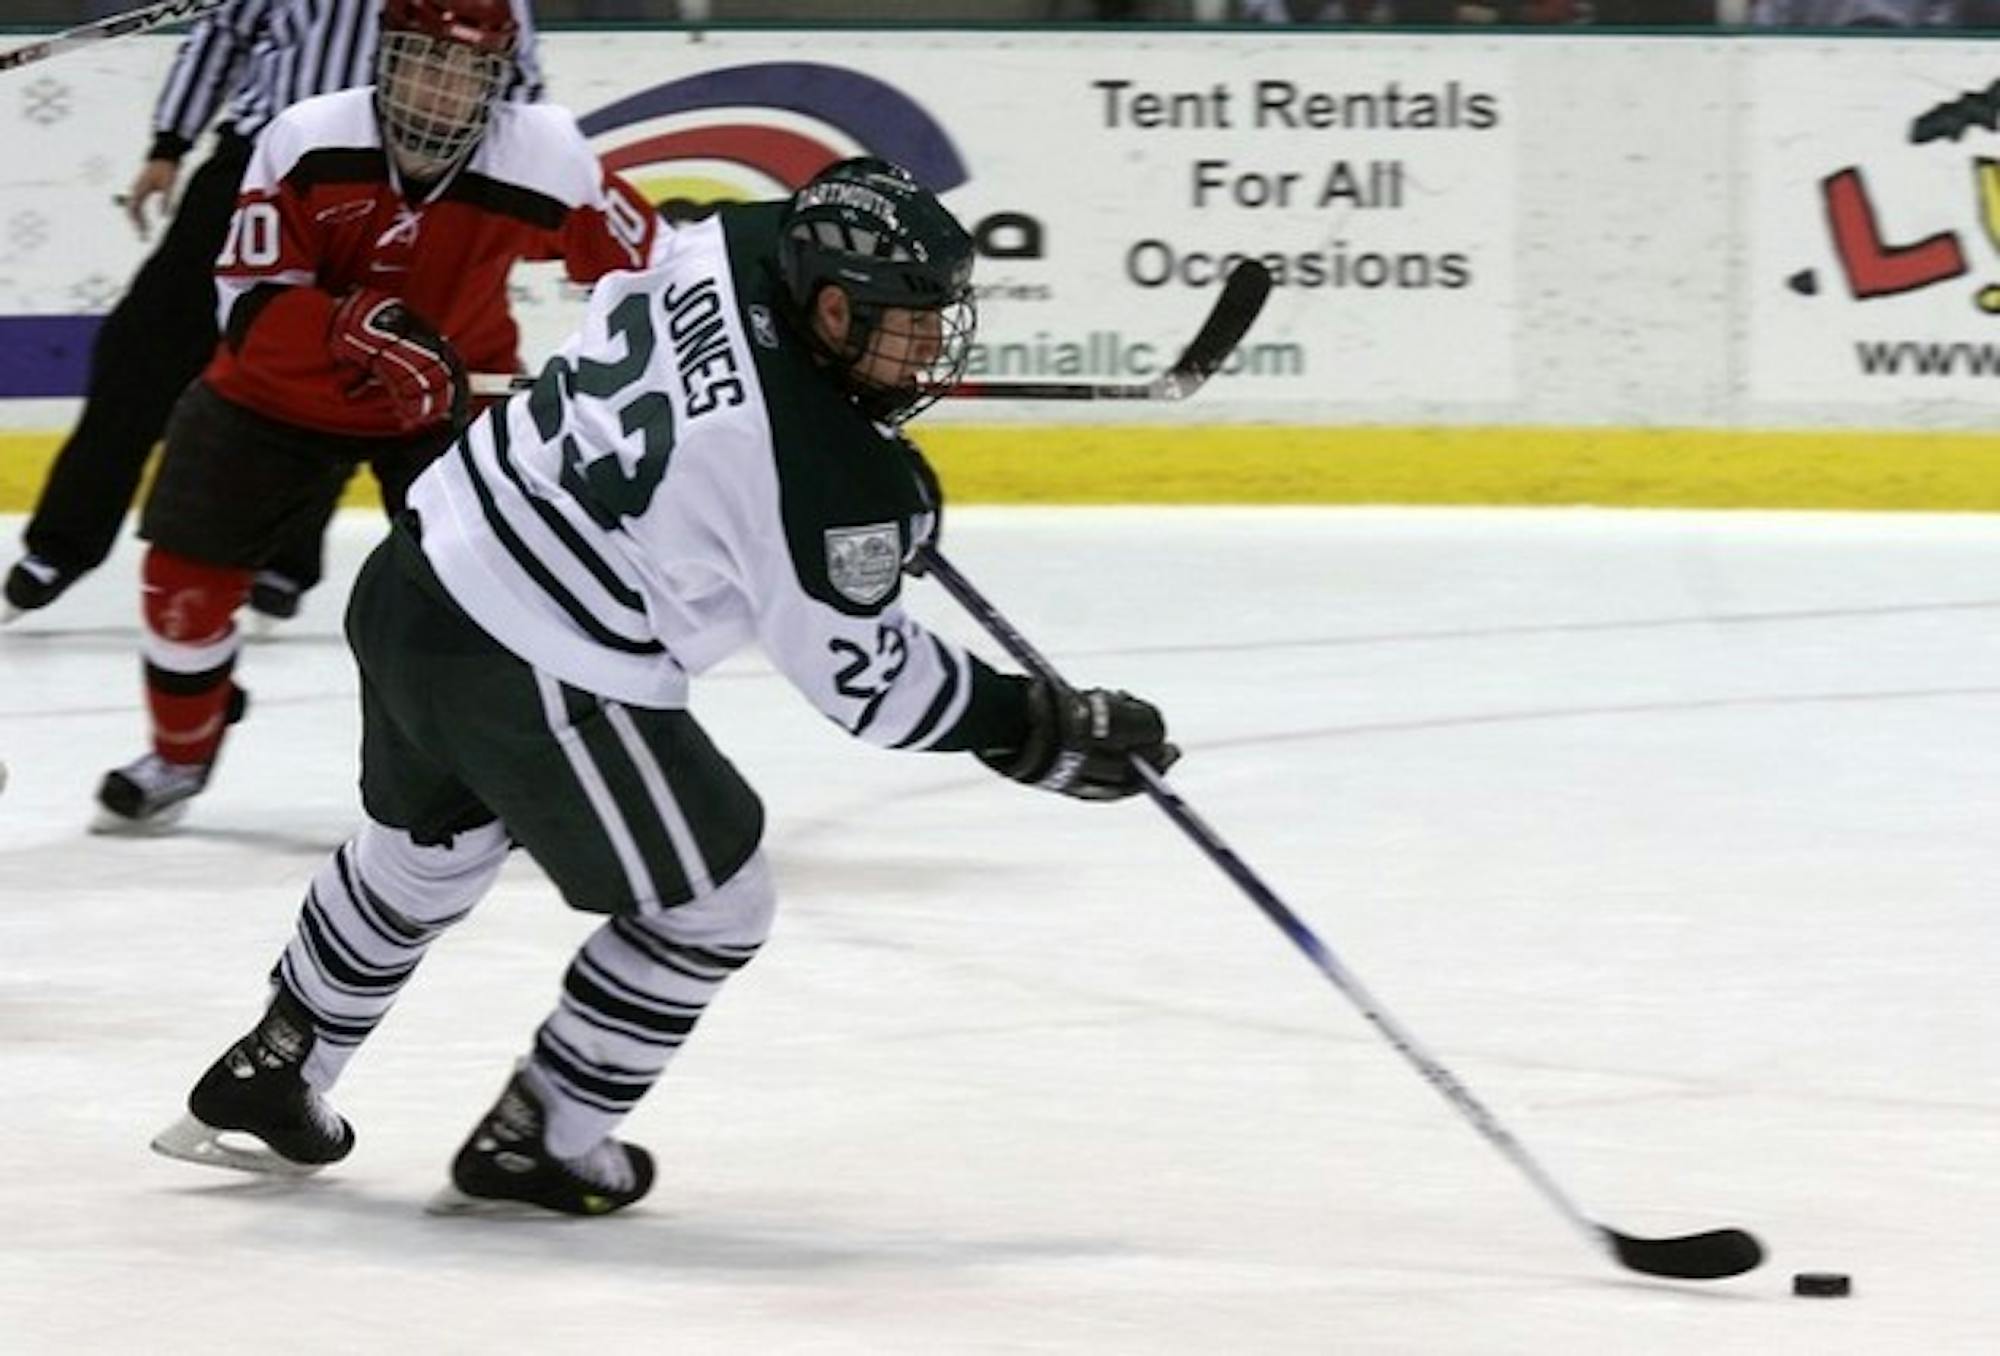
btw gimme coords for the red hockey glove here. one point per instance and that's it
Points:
(396, 348)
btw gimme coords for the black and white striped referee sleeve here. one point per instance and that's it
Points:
(206, 70)
(527, 85)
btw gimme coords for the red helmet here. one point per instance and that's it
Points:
(488, 25)
(440, 68)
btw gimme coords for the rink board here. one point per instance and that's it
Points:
(1638, 468)
(1774, 281)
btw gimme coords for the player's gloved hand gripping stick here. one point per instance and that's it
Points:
(395, 348)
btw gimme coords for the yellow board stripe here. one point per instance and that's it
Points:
(1640, 468)
(1651, 468)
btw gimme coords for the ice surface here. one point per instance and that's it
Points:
(1673, 835)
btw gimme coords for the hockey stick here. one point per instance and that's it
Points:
(1243, 294)
(105, 29)
(1697, 1257)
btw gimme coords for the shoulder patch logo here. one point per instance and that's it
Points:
(862, 562)
(762, 327)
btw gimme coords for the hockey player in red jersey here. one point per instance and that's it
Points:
(364, 272)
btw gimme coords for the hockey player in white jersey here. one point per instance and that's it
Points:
(712, 461)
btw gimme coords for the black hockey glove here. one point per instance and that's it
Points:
(932, 494)
(1081, 743)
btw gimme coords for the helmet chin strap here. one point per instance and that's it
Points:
(883, 404)
(427, 177)
(411, 166)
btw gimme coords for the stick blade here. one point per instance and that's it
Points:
(1243, 295)
(1707, 1256)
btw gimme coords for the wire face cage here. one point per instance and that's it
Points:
(435, 97)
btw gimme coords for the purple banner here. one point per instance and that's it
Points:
(45, 355)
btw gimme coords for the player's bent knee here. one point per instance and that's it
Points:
(187, 601)
(737, 913)
(430, 885)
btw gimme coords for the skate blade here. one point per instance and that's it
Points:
(110, 824)
(10, 613)
(450, 1201)
(195, 1141)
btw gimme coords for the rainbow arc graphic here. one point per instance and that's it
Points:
(857, 110)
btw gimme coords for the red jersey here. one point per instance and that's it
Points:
(321, 212)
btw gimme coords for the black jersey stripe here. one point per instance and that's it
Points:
(680, 955)
(635, 1022)
(609, 1026)
(661, 1025)
(355, 972)
(387, 922)
(359, 900)
(663, 1013)
(629, 792)
(565, 531)
(666, 961)
(338, 165)
(585, 1081)
(339, 967)
(603, 970)
(589, 992)
(331, 1029)
(947, 693)
(508, 200)
(338, 935)
(537, 572)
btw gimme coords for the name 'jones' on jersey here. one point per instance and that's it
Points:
(702, 354)
(709, 373)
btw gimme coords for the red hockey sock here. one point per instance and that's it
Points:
(191, 645)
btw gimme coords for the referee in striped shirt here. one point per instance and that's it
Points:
(258, 57)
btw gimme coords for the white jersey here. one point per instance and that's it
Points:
(682, 482)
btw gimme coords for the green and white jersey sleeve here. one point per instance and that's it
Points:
(679, 483)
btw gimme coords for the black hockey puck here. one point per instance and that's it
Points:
(1826, 1284)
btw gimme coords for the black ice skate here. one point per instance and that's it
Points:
(257, 1089)
(274, 598)
(506, 1169)
(33, 583)
(148, 793)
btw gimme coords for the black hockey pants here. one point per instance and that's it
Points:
(626, 808)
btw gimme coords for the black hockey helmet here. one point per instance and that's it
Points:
(865, 226)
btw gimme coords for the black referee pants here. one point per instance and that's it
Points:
(153, 344)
